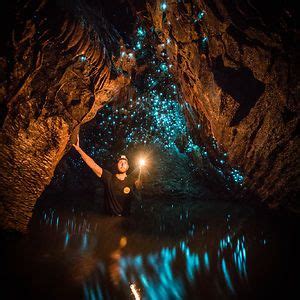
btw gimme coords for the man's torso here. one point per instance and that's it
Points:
(118, 193)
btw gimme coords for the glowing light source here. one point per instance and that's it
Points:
(164, 67)
(135, 291)
(204, 41)
(200, 16)
(82, 58)
(163, 6)
(138, 45)
(141, 33)
(142, 162)
(226, 275)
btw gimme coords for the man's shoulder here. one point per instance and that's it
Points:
(106, 174)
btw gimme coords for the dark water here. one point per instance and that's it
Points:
(175, 250)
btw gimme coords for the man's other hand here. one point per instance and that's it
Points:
(138, 184)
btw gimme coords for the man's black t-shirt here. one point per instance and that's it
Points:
(118, 193)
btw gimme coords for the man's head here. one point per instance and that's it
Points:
(122, 164)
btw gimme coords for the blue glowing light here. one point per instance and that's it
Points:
(240, 258)
(237, 177)
(204, 40)
(82, 58)
(92, 293)
(163, 6)
(164, 280)
(154, 115)
(141, 32)
(138, 45)
(200, 15)
(206, 260)
(226, 275)
(67, 238)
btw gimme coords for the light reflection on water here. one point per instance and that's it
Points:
(180, 253)
(149, 259)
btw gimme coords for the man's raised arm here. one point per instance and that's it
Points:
(88, 160)
(138, 182)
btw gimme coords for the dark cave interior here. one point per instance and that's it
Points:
(206, 92)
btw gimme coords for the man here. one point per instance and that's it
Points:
(119, 187)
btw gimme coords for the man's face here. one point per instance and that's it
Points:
(123, 166)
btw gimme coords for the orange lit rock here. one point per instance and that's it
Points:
(243, 82)
(63, 72)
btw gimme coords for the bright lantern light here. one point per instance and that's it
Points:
(142, 162)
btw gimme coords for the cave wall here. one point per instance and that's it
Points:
(59, 72)
(236, 62)
(236, 65)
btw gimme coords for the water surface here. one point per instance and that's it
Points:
(164, 250)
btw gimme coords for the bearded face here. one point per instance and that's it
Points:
(123, 166)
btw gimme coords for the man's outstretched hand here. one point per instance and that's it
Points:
(76, 146)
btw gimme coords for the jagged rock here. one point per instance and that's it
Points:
(236, 65)
(62, 73)
(65, 64)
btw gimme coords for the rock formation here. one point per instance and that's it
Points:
(236, 64)
(62, 71)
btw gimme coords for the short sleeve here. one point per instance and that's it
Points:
(106, 175)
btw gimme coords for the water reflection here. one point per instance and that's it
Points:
(167, 256)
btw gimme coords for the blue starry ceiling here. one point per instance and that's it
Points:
(153, 111)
